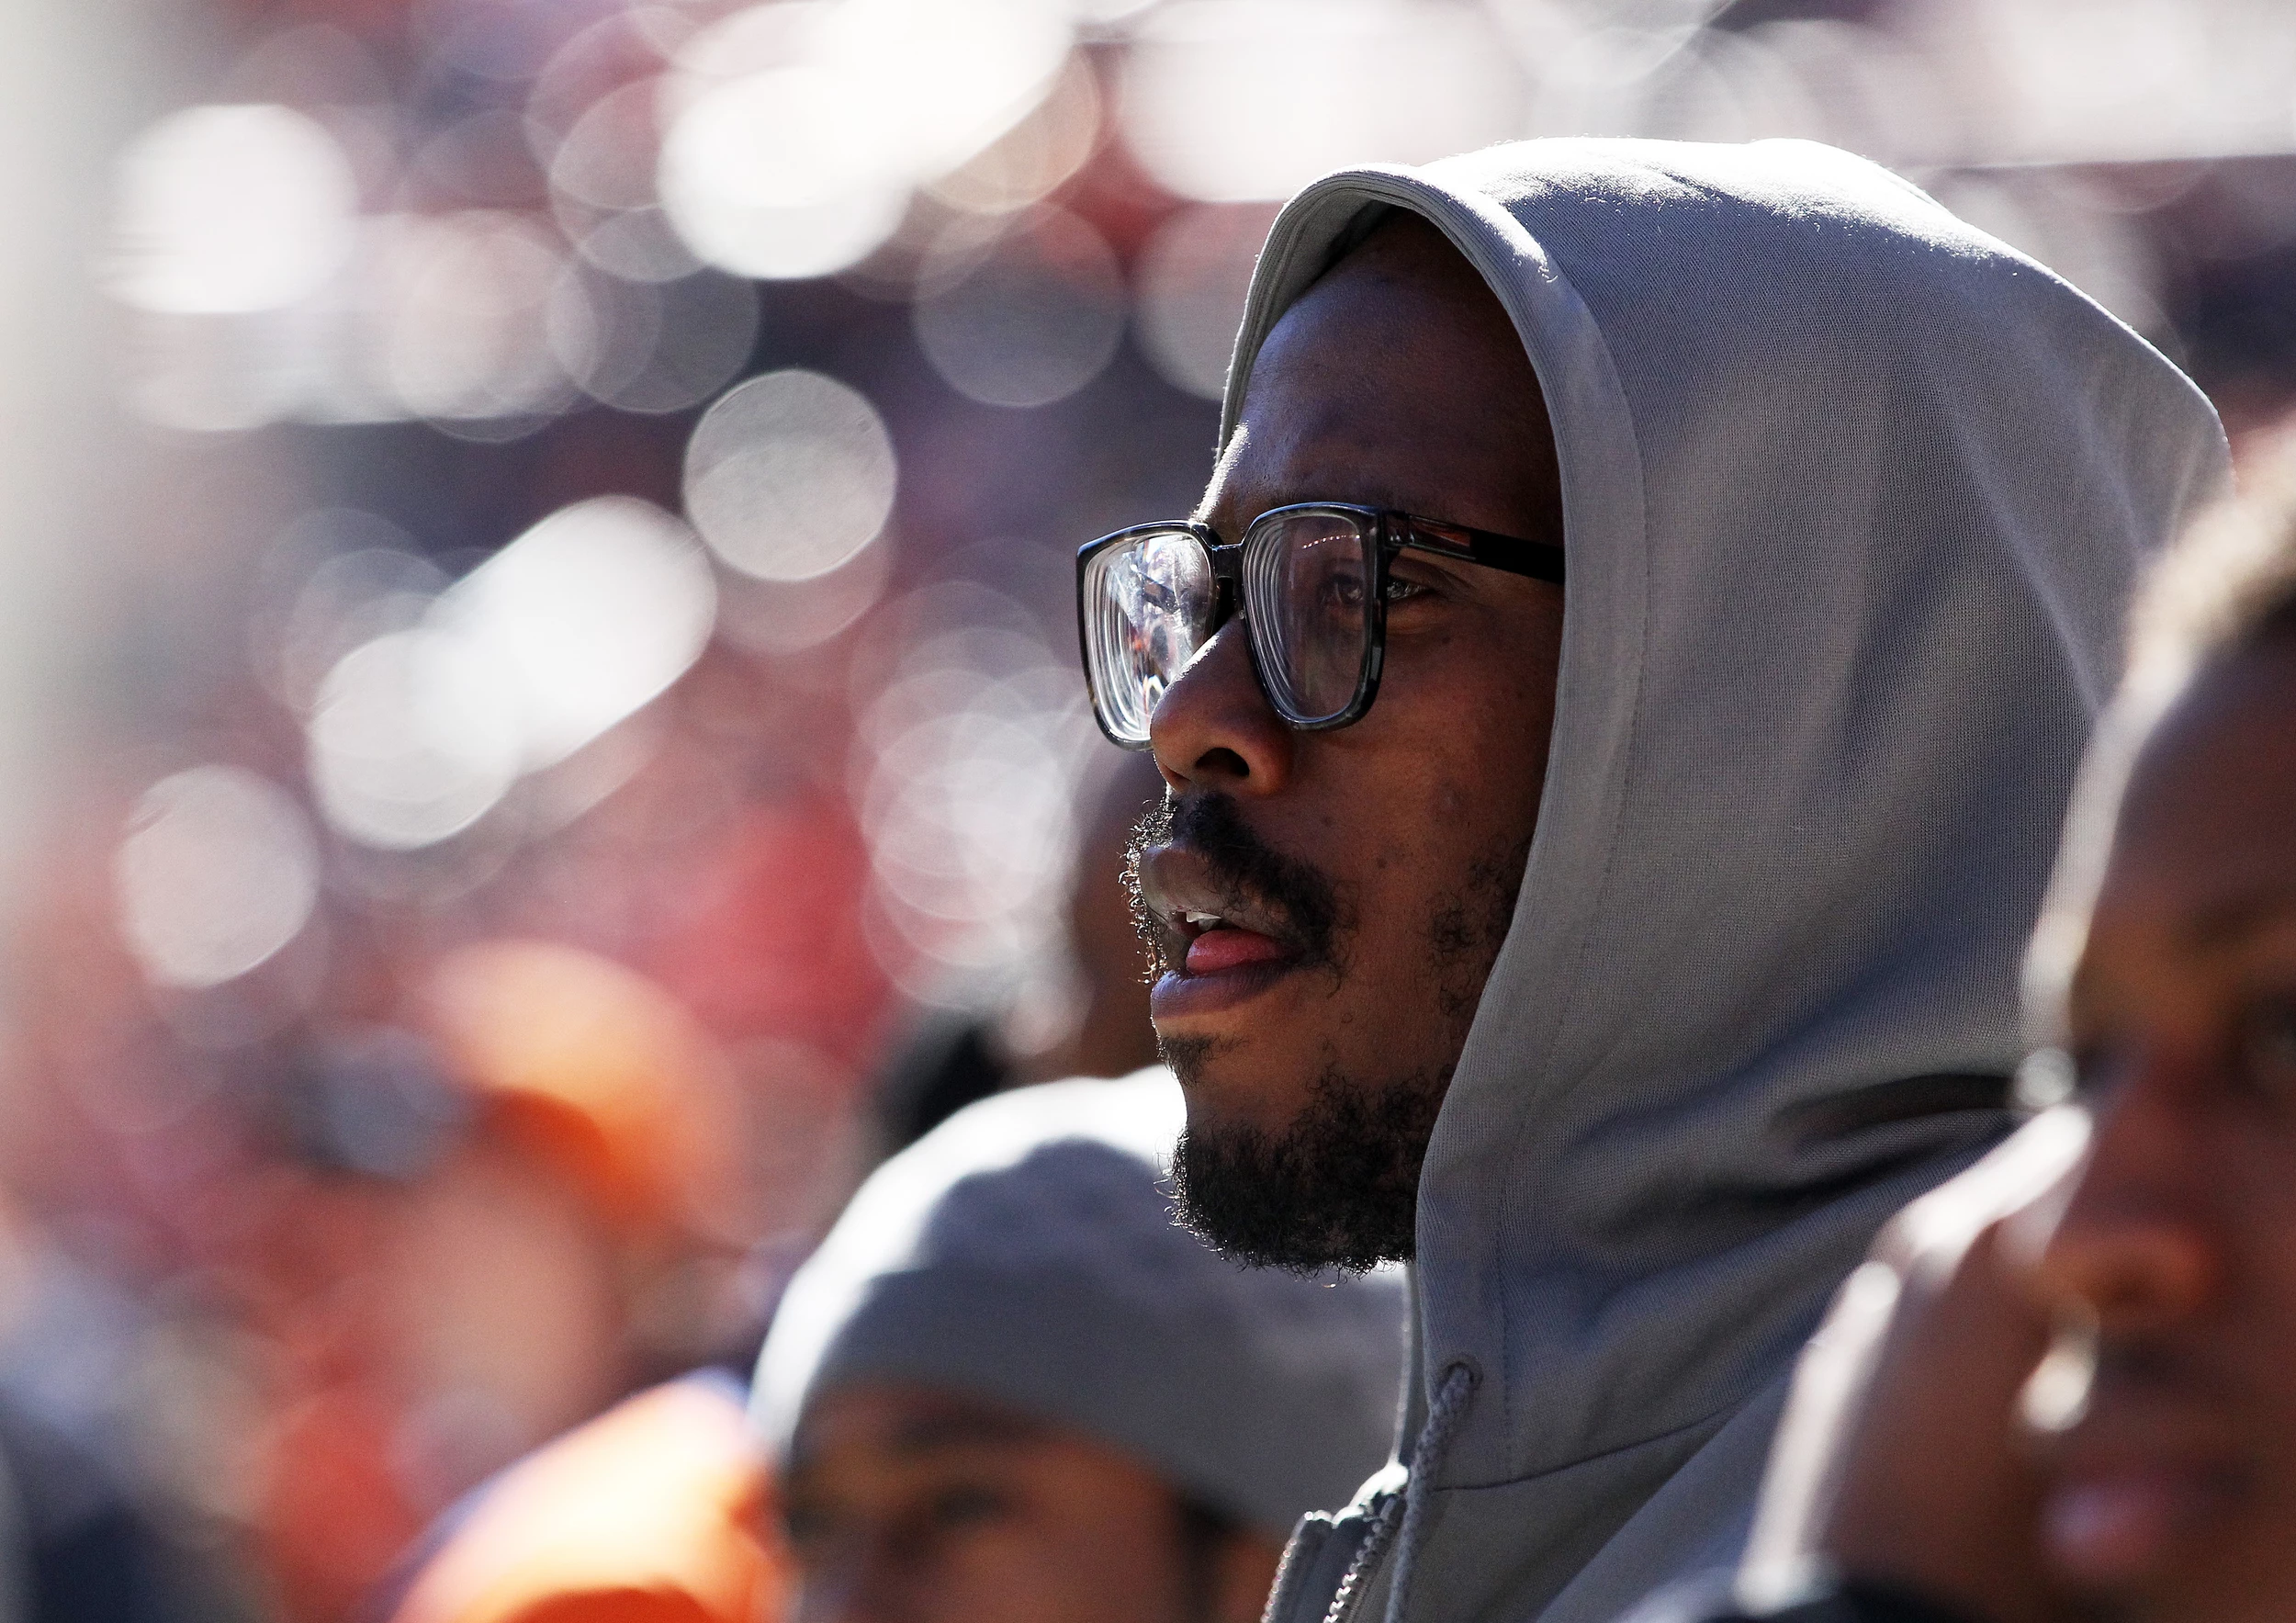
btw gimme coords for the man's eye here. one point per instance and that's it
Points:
(1401, 591)
(968, 1506)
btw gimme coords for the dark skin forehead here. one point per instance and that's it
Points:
(2207, 824)
(1397, 380)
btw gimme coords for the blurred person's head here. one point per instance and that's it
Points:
(952, 1058)
(656, 1512)
(2165, 968)
(493, 1241)
(1114, 1035)
(595, 1158)
(1008, 1388)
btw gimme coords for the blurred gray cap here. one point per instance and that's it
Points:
(1024, 1252)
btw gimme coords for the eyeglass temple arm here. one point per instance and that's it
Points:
(1540, 560)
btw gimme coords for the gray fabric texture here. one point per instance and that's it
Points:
(1024, 1252)
(1852, 498)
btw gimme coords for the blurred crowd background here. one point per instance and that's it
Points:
(539, 728)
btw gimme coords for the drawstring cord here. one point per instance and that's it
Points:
(1426, 1463)
(1406, 1512)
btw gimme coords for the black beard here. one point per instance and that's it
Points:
(1338, 1189)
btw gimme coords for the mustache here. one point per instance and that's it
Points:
(1297, 892)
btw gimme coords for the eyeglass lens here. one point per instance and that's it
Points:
(1306, 591)
(1151, 600)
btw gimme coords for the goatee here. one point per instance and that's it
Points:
(1338, 1186)
(1338, 1189)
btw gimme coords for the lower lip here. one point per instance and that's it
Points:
(1224, 967)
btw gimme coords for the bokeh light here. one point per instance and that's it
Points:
(790, 474)
(1233, 100)
(777, 164)
(952, 78)
(541, 588)
(465, 300)
(226, 210)
(594, 116)
(971, 753)
(605, 161)
(653, 345)
(218, 872)
(413, 739)
(800, 130)
(1028, 319)
(341, 577)
(782, 617)
(1194, 276)
(418, 732)
(584, 619)
(774, 176)
(2133, 79)
(1037, 156)
(638, 245)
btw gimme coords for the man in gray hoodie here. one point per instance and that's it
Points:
(1619, 942)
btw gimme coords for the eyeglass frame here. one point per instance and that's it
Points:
(1390, 531)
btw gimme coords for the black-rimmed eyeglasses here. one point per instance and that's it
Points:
(1311, 581)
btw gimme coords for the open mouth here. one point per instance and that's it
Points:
(1207, 927)
(1215, 944)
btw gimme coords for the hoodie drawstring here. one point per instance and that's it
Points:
(1406, 1512)
(1426, 1463)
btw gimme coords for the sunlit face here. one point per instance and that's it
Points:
(1364, 877)
(2175, 1495)
(922, 1506)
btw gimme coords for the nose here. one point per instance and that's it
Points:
(2136, 1245)
(1215, 729)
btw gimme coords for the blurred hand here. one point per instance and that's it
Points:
(1900, 1457)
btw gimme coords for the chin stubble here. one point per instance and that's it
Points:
(1338, 1186)
(1338, 1189)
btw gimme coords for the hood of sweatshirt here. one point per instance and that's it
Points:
(1852, 498)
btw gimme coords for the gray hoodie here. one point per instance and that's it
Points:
(1852, 495)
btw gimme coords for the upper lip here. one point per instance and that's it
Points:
(1187, 897)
